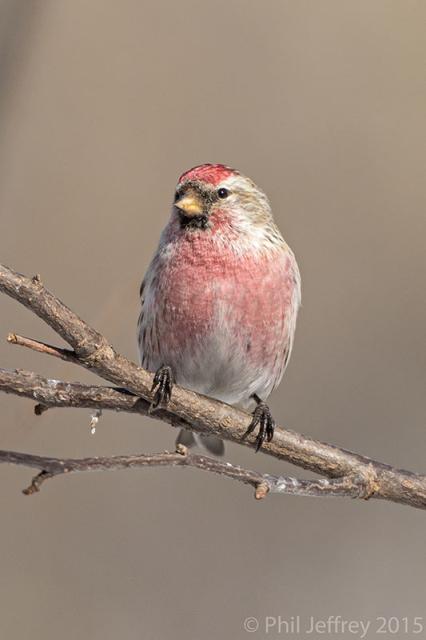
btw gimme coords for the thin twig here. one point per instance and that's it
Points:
(263, 484)
(42, 347)
(202, 414)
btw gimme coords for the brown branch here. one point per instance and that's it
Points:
(263, 484)
(202, 414)
(42, 347)
(52, 393)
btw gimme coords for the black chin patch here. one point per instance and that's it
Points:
(193, 222)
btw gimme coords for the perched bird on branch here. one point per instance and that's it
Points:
(220, 298)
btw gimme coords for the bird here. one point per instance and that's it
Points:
(220, 299)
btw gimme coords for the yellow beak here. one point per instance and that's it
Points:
(190, 205)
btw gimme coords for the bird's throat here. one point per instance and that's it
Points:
(193, 222)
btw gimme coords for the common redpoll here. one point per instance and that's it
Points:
(220, 298)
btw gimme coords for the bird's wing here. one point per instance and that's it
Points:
(140, 332)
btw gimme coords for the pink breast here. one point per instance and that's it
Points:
(201, 290)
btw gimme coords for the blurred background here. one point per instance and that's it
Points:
(102, 106)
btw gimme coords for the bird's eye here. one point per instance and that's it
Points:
(223, 193)
(177, 195)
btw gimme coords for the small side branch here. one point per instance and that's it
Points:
(42, 347)
(262, 484)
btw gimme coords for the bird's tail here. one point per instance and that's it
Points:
(213, 444)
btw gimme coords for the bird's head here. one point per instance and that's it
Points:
(215, 197)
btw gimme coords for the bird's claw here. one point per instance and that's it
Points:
(162, 385)
(262, 416)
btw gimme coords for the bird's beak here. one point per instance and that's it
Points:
(190, 205)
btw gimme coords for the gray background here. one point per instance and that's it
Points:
(102, 105)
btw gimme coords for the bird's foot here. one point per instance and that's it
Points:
(261, 416)
(162, 385)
